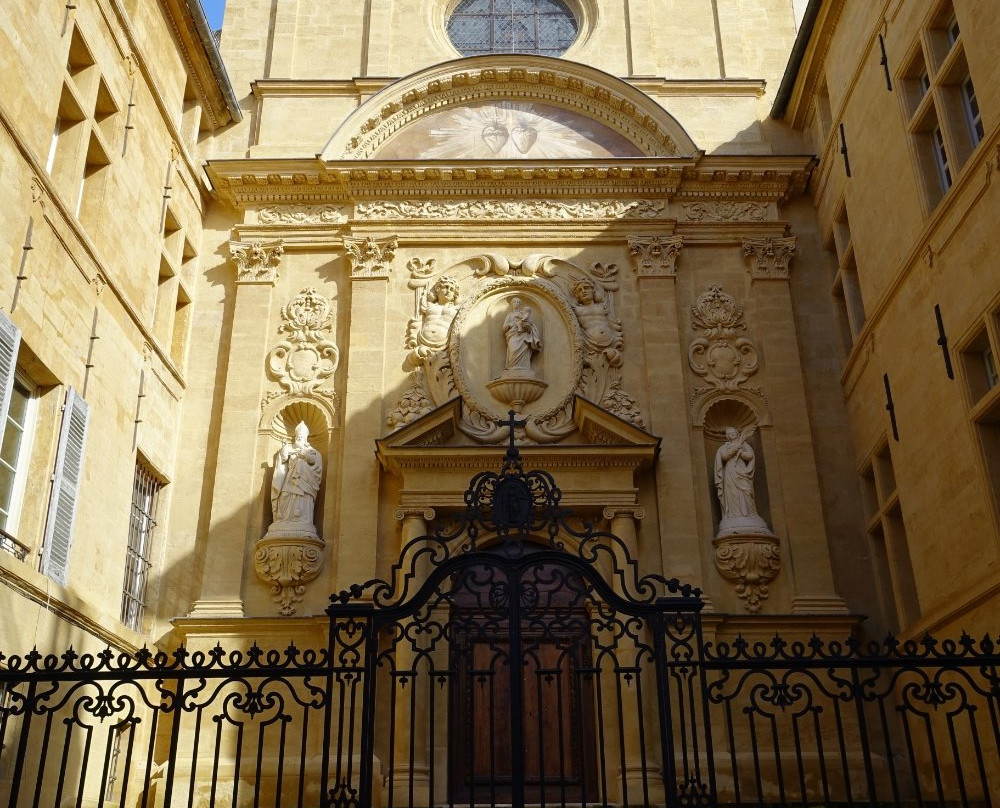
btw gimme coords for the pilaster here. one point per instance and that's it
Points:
(655, 263)
(797, 476)
(371, 265)
(233, 494)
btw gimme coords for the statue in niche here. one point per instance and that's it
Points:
(603, 341)
(298, 470)
(734, 472)
(523, 339)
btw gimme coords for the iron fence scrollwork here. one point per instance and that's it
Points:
(515, 656)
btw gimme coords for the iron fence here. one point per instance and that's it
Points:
(515, 657)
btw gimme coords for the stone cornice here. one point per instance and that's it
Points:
(203, 61)
(810, 71)
(363, 87)
(291, 181)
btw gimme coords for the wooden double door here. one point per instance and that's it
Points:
(555, 738)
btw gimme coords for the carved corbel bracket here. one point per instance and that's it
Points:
(257, 261)
(750, 562)
(288, 565)
(655, 256)
(371, 258)
(769, 257)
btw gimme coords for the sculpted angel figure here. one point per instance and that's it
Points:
(734, 471)
(298, 470)
(523, 339)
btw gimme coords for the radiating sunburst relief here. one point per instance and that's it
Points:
(507, 130)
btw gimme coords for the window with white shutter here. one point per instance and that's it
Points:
(65, 488)
(10, 342)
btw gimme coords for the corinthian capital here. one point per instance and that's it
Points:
(655, 256)
(371, 258)
(256, 261)
(769, 257)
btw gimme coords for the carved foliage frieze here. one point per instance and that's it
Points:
(724, 211)
(655, 256)
(371, 258)
(721, 354)
(500, 209)
(256, 261)
(302, 214)
(306, 359)
(769, 257)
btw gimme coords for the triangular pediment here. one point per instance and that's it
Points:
(435, 459)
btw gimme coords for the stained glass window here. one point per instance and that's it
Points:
(544, 27)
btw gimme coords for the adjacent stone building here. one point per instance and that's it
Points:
(265, 301)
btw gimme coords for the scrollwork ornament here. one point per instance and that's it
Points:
(288, 565)
(306, 358)
(751, 563)
(721, 355)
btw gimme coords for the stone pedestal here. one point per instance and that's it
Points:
(288, 564)
(751, 561)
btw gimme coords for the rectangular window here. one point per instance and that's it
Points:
(990, 366)
(953, 30)
(138, 559)
(941, 158)
(14, 451)
(972, 114)
(924, 84)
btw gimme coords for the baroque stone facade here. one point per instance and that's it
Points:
(397, 247)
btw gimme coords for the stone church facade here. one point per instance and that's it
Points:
(728, 263)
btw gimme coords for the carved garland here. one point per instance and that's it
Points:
(513, 209)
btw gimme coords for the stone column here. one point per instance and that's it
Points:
(412, 695)
(622, 523)
(233, 494)
(371, 264)
(794, 463)
(664, 360)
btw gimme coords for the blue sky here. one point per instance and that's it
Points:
(213, 10)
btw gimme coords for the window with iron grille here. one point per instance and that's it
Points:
(142, 523)
(543, 27)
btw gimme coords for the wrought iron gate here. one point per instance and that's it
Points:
(516, 657)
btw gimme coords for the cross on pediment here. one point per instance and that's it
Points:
(511, 424)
